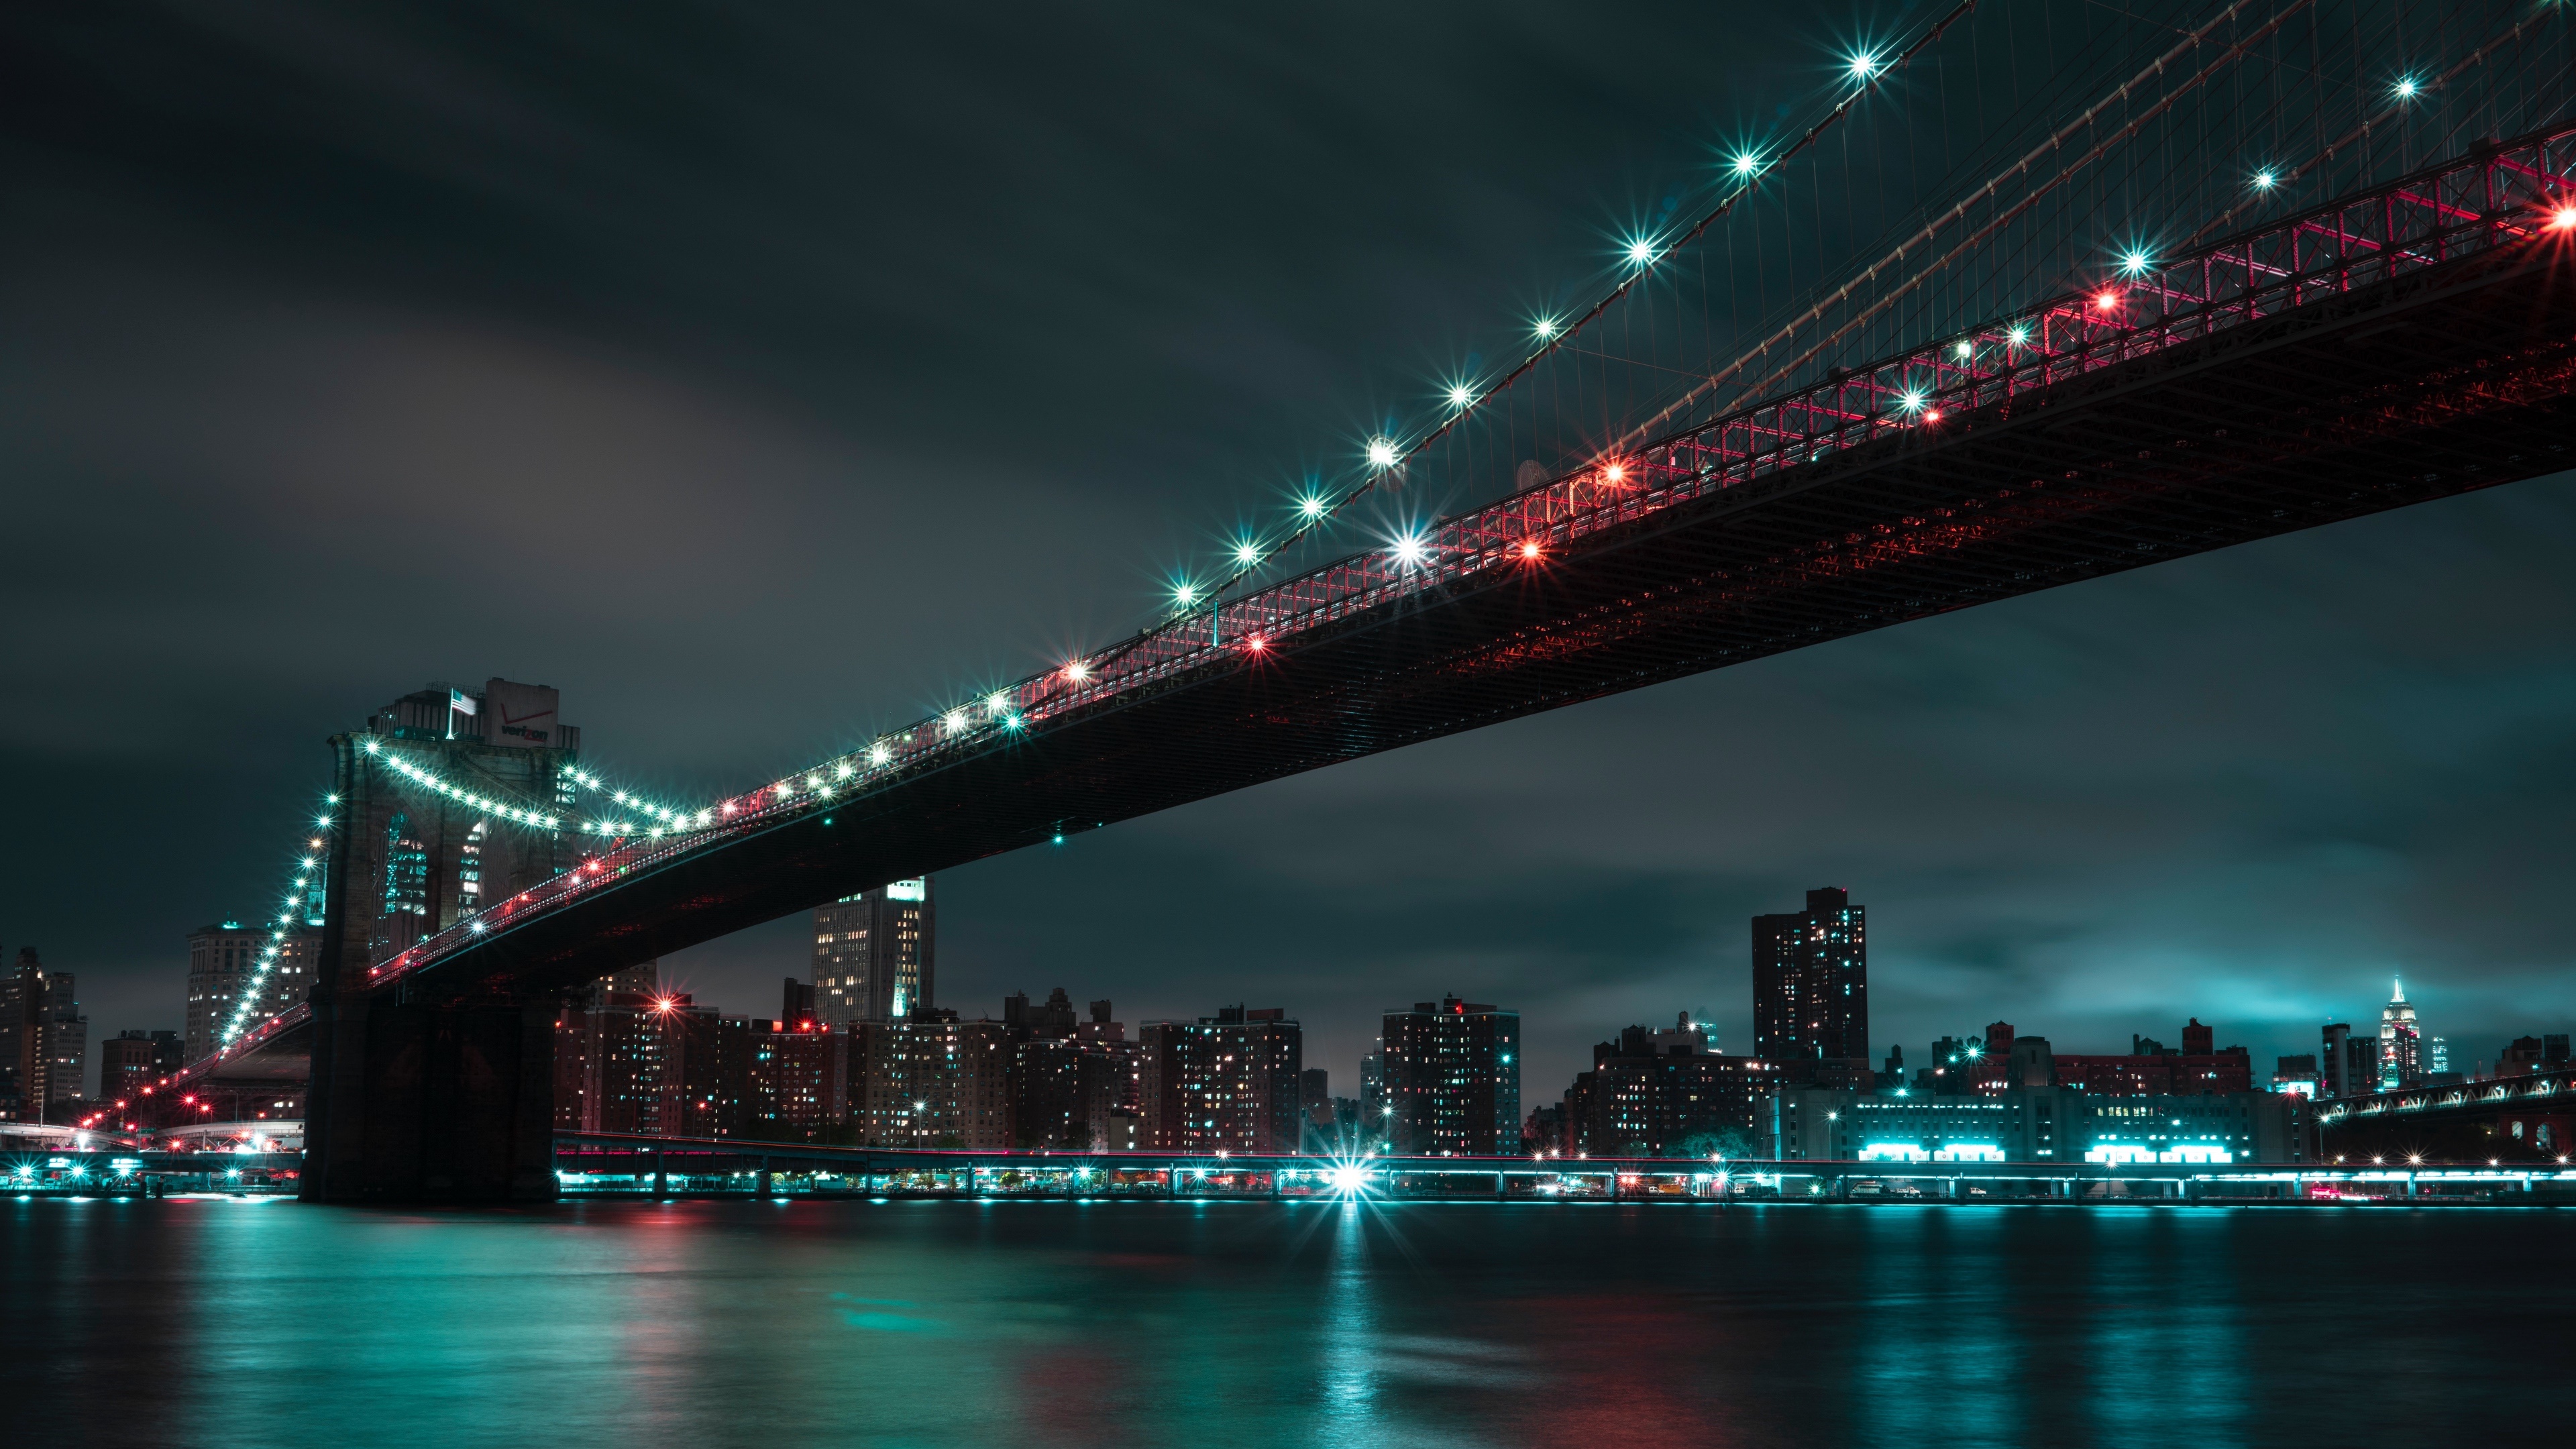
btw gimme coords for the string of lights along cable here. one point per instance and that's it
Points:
(1964, 238)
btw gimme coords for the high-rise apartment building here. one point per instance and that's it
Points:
(1666, 1093)
(44, 1041)
(135, 1060)
(797, 1080)
(1224, 1083)
(1074, 1080)
(930, 1080)
(1811, 984)
(874, 955)
(1452, 1072)
(2401, 1042)
(652, 1062)
(224, 961)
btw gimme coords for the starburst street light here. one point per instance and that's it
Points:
(1381, 452)
(2018, 337)
(1185, 594)
(2133, 263)
(1247, 553)
(2406, 87)
(2266, 179)
(1641, 251)
(1864, 65)
(1461, 395)
(1546, 328)
(1310, 506)
(1409, 549)
(1747, 163)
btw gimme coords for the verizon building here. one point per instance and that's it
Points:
(873, 955)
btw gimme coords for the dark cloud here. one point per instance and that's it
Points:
(765, 377)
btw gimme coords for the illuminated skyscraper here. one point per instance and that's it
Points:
(224, 961)
(1811, 983)
(1228, 1082)
(2401, 1043)
(874, 957)
(1452, 1072)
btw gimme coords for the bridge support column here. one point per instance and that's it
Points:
(417, 1101)
(761, 1189)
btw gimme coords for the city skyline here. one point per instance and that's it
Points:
(1734, 1031)
(2246, 785)
(1454, 723)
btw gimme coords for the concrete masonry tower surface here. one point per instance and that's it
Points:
(424, 1094)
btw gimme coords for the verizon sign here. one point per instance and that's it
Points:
(520, 714)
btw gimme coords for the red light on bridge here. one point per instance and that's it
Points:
(2564, 218)
(1932, 416)
(2106, 300)
(1616, 472)
(1531, 550)
(1256, 643)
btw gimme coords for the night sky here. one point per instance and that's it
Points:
(763, 376)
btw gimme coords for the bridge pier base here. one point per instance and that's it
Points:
(430, 1102)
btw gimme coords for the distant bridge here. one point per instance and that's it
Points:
(2505, 1120)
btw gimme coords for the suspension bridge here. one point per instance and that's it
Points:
(2409, 336)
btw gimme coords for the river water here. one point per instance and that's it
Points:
(218, 1322)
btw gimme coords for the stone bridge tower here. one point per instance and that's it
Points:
(426, 1092)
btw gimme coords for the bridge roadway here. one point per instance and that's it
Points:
(2402, 344)
(2408, 343)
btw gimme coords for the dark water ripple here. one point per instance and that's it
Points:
(1144, 1323)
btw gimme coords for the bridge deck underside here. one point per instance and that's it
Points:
(2450, 380)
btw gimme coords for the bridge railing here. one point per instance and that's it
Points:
(2517, 194)
(250, 1043)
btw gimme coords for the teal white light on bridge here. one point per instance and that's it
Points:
(2133, 263)
(1381, 453)
(1864, 65)
(2265, 179)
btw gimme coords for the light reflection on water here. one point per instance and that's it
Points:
(1142, 1323)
